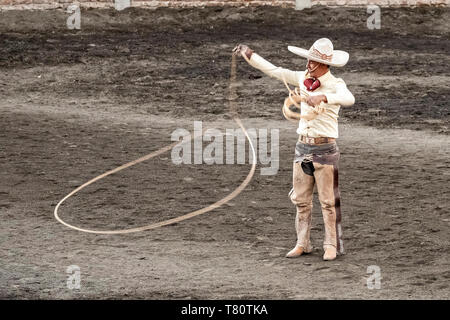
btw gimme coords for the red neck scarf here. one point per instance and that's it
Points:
(311, 84)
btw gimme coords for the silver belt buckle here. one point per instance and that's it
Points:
(309, 140)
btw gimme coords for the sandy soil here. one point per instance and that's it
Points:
(77, 103)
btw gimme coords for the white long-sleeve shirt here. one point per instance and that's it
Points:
(335, 89)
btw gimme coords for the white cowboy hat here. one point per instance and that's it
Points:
(322, 51)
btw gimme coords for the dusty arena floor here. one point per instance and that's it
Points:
(75, 104)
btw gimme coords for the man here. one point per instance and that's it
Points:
(316, 152)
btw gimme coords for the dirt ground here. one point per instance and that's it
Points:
(76, 103)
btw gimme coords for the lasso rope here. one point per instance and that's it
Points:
(239, 189)
(302, 94)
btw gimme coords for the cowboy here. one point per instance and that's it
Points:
(316, 152)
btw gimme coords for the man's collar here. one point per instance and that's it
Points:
(325, 76)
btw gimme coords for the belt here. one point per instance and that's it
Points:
(318, 140)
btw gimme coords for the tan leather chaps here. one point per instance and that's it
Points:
(325, 176)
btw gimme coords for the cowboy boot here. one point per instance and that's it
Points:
(330, 253)
(303, 227)
(294, 253)
(298, 251)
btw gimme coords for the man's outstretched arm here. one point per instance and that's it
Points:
(258, 62)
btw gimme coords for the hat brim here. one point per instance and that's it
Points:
(339, 59)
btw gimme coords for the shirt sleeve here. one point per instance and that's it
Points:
(291, 77)
(342, 96)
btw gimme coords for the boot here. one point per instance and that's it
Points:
(330, 253)
(297, 252)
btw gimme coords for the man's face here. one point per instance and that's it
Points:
(312, 66)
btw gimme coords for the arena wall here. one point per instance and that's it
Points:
(49, 4)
